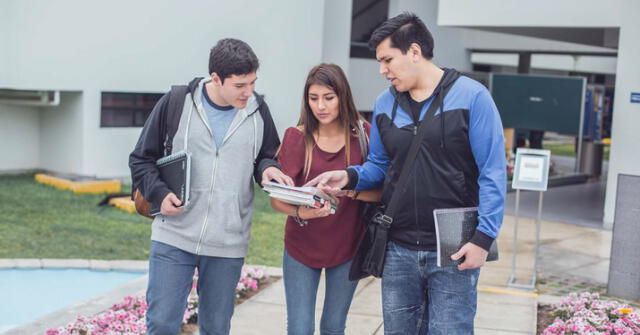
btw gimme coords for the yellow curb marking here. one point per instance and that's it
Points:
(99, 186)
(503, 291)
(123, 203)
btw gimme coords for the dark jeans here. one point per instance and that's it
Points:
(170, 279)
(301, 289)
(418, 297)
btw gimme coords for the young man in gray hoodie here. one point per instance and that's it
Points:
(229, 132)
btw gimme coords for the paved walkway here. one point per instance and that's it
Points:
(565, 249)
(266, 312)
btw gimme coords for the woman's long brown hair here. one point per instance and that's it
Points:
(331, 76)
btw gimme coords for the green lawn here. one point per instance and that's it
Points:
(38, 221)
(567, 149)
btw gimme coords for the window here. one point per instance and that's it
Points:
(126, 109)
(366, 16)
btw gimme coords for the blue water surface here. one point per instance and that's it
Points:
(27, 294)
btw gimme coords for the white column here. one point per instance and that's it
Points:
(625, 136)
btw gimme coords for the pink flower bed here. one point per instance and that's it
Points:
(586, 313)
(128, 317)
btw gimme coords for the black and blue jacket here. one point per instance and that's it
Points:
(461, 161)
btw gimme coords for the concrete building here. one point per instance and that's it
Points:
(73, 52)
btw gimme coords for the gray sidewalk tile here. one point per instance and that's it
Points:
(490, 331)
(367, 300)
(598, 272)
(560, 261)
(259, 318)
(494, 313)
(595, 244)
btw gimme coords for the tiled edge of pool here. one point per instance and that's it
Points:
(91, 264)
(92, 305)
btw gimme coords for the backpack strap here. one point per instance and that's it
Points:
(173, 114)
(362, 140)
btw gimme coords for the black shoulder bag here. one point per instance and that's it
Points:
(372, 249)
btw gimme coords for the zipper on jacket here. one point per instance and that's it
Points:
(415, 209)
(233, 130)
(415, 194)
(206, 216)
(244, 118)
(213, 180)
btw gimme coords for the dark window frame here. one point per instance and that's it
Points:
(366, 16)
(126, 109)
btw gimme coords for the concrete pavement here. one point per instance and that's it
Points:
(565, 249)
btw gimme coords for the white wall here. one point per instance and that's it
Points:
(145, 46)
(61, 132)
(539, 13)
(626, 115)
(19, 135)
(366, 82)
(4, 41)
(336, 36)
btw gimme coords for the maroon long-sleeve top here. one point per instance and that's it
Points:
(328, 241)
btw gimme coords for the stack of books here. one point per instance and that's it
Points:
(300, 196)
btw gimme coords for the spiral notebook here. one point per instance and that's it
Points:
(454, 228)
(175, 171)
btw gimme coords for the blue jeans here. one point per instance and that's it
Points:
(170, 279)
(418, 297)
(301, 289)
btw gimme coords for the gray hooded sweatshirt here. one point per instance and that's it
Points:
(217, 220)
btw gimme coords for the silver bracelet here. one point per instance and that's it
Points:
(298, 219)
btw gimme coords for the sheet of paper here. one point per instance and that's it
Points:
(531, 169)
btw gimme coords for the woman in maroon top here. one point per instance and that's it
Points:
(325, 139)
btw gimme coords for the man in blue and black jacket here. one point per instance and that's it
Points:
(460, 163)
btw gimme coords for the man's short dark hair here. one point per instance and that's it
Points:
(230, 56)
(404, 30)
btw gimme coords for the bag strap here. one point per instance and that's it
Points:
(387, 217)
(173, 114)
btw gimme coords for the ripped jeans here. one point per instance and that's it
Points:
(418, 297)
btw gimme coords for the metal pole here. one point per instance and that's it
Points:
(512, 279)
(537, 251)
(580, 127)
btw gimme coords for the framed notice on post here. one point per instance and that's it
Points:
(531, 170)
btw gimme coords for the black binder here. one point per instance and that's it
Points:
(175, 171)
(454, 228)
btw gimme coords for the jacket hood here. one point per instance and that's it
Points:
(448, 78)
(194, 85)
